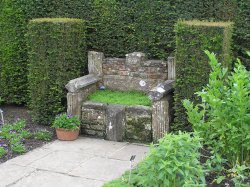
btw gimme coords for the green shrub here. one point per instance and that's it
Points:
(192, 69)
(15, 134)
(175, 162)
(2, 152)
(67, 122)
(115, 27)
(43, 135)
(223, 118)
(241, 32)
(57, 54)
(13, 55)
(134, 27)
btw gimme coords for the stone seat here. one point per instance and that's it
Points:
(118, 122)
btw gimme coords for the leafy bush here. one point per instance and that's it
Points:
(67, 122)
(15, 134)
(175, 162)
(223, 118)
(192, 69)
(43, 135)
(57, 54)
(2, 152)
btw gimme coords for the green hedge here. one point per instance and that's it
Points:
(115, 27)
(120, 27)
(242, 32)
(13, 55)
(192, 68)
(57, 54)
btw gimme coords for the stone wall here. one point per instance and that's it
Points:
(141, 73)
(134, 122)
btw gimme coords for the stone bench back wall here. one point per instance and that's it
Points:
(135, 69)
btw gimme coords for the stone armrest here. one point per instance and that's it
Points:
(78, 84)
(161, 90)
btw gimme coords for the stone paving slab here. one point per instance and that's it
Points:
(51, 179)
(101, 169)
(125, 153)
(9, 173)
(28, 158)
(61, 161)
(84, 162)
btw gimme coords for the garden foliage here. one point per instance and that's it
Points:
(57, 54)
(173, 162)
(223, 118)
(67, 122)
(192, 68)
(14, 136)
(120, 97)
(115, 27)
(13, 53)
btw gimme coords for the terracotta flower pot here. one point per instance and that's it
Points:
(67, 135)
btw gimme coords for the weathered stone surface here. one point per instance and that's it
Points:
(161, 90)
(75, 99)
(94, 119)
(138, 123)
(94, 105)
(103, 169)
(132, 149)
(52, 179)
(115, 122)
(10, 173)
(76, 84)
(95, 62)
(125, 83)
(58, 161)
(155, 63)
(161, 118)
(135, 59)
(94, 133)
(171, 68)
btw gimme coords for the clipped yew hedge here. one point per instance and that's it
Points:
(192, 67)
(13, 54)
(57, 54)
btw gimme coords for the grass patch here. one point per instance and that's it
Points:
(120, 97)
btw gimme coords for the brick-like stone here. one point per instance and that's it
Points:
(94, 119)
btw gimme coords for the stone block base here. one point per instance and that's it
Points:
(117, 122)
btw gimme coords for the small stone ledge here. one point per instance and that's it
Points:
(76, 84)
(161, 90)
(139, 109)
(94, 105)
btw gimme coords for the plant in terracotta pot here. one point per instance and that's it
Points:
(67, 127)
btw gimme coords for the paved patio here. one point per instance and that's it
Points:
(85, 162)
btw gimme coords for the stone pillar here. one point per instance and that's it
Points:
(171, 68)
(115, 122)
(160, 118)
(95, 61)
(135, 59)
(74, 103)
